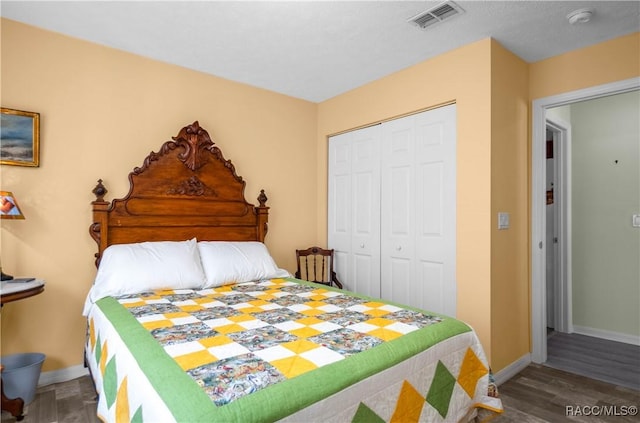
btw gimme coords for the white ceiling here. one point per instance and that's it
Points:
(315, 50)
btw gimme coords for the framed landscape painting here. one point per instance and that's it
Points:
(19, 138)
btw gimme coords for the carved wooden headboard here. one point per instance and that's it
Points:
(185, 190)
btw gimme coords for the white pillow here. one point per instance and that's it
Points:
(226, 262)
(133, 268)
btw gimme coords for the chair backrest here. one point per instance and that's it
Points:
(315, 264)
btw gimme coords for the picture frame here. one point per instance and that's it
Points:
(9, 208)
(19, 138)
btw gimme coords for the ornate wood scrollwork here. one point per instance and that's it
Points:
(192, 187)
(183, 191)
(194, 139)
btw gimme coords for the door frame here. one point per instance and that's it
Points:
(538, 201)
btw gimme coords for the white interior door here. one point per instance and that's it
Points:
(354, 208)
(392, 209)
(418, 214)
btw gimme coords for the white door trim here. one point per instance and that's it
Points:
(538, 201)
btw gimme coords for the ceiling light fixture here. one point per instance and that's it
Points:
(580, 16)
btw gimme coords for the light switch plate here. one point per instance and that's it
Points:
(503, 220)
(636, 221)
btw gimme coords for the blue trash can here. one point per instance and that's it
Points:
(21, 374)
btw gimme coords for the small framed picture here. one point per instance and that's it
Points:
(9, 208)
(19, 138)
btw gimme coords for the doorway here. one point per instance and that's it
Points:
(558, 224)
(539, 244)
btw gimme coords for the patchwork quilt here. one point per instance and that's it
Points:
(281, 349)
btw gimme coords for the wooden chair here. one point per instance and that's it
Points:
(315, 264)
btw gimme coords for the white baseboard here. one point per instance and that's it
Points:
(607, 334)
(62, 375)
(512, 369)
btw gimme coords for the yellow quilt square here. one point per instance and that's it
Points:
(195, 359)
(315, 304)
(278, 281)
(259, 303)
(266, 297)
(136, 304)
(374, 304)
(191, 308)
(251, 309)
(203, 300)
(377, 312)
(156, 324)
(318, 297)
(299, 346)
(241, 317)
(293, 366)
(229, 328)
(215, 341)
(379, 321)
(308, 321)
(155, 296)
(385, 334)
(224, 288)
(176, 315)
(304, 332)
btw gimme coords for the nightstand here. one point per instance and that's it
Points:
(14, 290)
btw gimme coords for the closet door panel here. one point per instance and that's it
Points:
(365, 239)
(398, 210)
(399, 286)
(431, 276)
(429, 223)
(435, 229)
(354, 204)
(339, 203)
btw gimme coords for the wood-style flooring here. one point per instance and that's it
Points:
(543, 394)
(73, 401)
(601, 359)
(539, 393)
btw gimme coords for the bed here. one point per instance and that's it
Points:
(191, 320)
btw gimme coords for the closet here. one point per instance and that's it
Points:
(392, 209)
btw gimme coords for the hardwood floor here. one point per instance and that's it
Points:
(544, 394)
(540, 393)
(601, 359)
(73, 401)
(581, 371)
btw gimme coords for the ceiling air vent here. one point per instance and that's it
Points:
(436, 14)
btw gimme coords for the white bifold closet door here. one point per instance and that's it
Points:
(354, 208)
(392, 209)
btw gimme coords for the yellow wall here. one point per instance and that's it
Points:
(102, 111)
(509, 193)
(610, 61)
